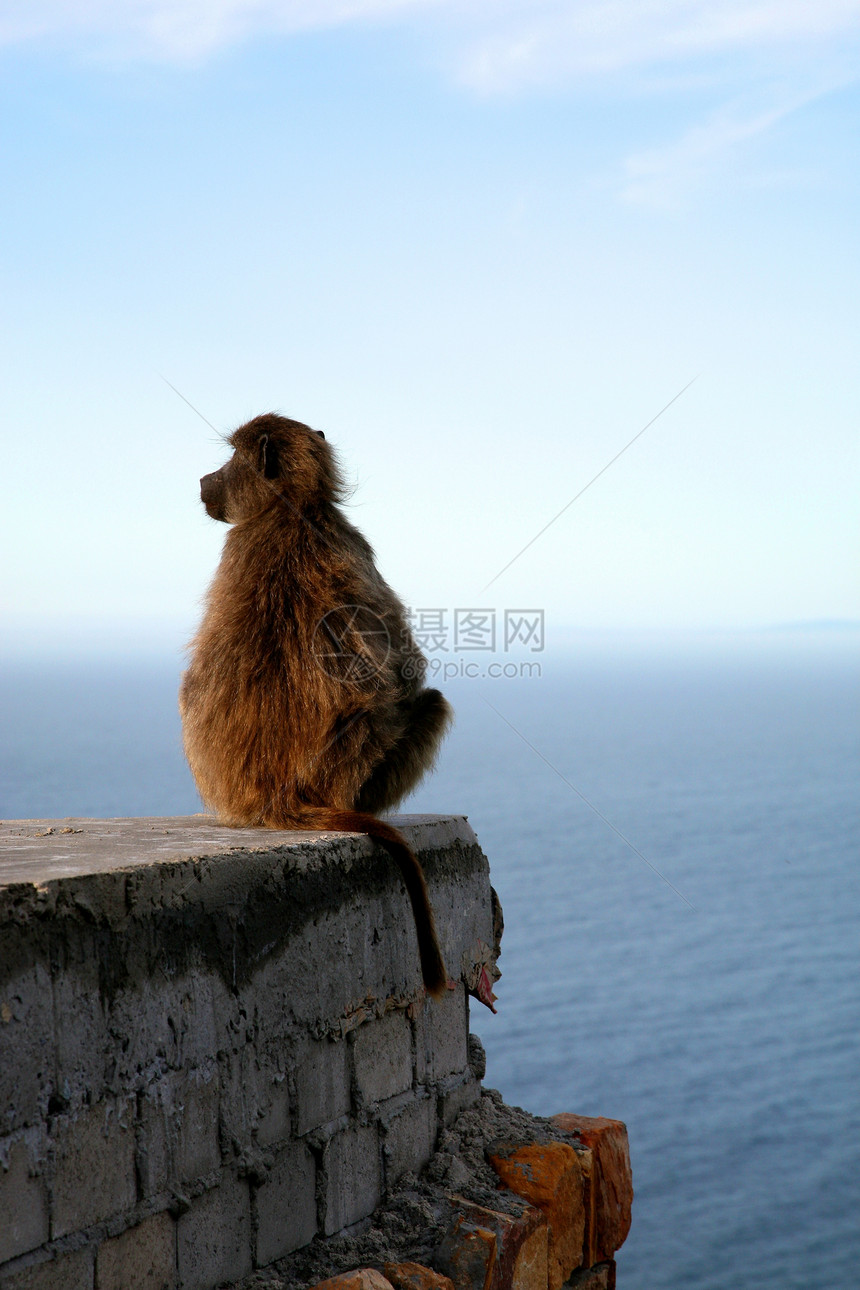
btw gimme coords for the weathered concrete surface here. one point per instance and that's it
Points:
(301, 929)
(224, 1030)
(41, 850)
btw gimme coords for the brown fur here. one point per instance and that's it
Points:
(304, 704)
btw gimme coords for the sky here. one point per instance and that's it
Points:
(482, 244)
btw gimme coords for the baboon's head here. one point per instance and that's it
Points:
(274, 460)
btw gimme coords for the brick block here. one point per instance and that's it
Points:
(196, 1150)
(273, 1109)
(522, 1244)
(153, 1138)
(185, 1018)
(414, 1276)
(601, 1277)
(66, 1272)
(213, 1238)
(382, 1056)
(26, 1027)
(353, 1177)
(409, 1139)
(610, 1182)
(80, 1030)
(550, 1177)
(442, 1032)
(255, 1098)
(177, 1138)
(366, 933)
(467, 1254)
(360, 1279)
(23, 1198)
(456, 1094)
(286, 1205)
(93, 1166)
(143, 1257)
(322, 1085)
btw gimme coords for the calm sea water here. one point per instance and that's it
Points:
(712, 1005)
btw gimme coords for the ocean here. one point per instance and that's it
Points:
(674, 838)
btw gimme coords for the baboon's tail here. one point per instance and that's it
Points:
(323, 817)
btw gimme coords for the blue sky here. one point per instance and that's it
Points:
(481, 245)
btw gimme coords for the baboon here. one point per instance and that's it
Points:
(304, 705)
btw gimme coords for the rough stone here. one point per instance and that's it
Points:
(477, 1057)
(93, 1166)
(213, 1237)
(467, 1254)
(611, 1182)
(23, 1197)
(549, 1176)
(65, 1272)
(414, 1276)
(353, 1176)
(286, 1205)
(522, 1244)
(144, 1257)
(601, 1277)
(382, 1057)
(360, 1279)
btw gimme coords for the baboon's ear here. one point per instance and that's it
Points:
(268, 458)
(320, 433)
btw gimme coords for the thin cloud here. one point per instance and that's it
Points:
(535, 44)
(663, 178)
(492, 47)
(182, 29)
(496, 45)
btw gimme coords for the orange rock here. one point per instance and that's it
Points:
(522, 1244)
(414, 1276)
(549, 1176)
(610, 1182)
(589, 1239)
(359, 1279)
(467, 1254)
(601, 1277)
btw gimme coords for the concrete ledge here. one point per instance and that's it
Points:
(175, 1089)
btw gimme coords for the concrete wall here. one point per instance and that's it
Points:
(214, 1043)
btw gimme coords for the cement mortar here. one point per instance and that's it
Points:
(411, 1224)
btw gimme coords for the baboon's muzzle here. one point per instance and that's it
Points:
(211, 494)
